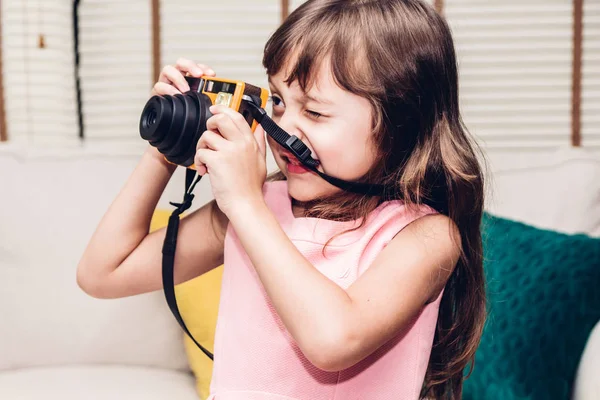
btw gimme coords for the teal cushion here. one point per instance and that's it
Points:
(543, 292)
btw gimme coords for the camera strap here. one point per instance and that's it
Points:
(168, 251)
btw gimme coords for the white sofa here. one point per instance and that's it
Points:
(58, 343)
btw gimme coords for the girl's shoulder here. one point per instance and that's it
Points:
(394, 215)
(399, 209)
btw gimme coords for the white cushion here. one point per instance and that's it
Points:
(49, 208)
(96, 383)
(587, 382)
(558, 190)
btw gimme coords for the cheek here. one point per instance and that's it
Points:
(345, 152)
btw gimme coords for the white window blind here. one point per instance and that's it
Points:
(115, 67)
(295, 4)
(515, 61)
(229, 35)
(39, 82)
(590, 110)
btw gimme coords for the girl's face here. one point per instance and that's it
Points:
(333, 123)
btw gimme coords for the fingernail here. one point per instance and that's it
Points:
(198, 71)
(210, 72)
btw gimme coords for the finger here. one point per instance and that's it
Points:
(162, 88)
(259, 135)
(203, 159)
(211, 140)
(201, 169)
(189, 67)
(235, 117)
(223, 124)
(172, 75)
(206, 70)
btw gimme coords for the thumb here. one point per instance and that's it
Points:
(259, 135)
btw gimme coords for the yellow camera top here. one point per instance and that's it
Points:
(230, 93)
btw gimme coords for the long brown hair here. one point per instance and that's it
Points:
(403, 61)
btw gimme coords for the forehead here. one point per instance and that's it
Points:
(321, 80)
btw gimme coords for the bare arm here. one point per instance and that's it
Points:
(335, 327)
(122, 257)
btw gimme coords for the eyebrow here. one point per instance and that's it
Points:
(306, 96)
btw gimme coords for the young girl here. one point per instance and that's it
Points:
(327, 294)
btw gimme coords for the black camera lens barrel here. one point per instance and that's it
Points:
(188, 131)
(178, 125)
(174, 124)
(174, 116)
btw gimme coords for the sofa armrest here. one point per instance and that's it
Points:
(587, 381)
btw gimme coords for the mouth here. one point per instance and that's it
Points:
(289, 158)
(293, 165)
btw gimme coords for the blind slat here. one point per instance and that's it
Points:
(590, 102)
(228, 37)
(515, 62)
(39, 82)
(115, 71)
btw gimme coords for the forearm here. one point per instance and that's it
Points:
(127, 221)
(314, 309)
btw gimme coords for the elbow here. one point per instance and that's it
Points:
(328, 363)
(89, 284)
(333, 352)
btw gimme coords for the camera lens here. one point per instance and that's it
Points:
(174, 124)
(151, 118)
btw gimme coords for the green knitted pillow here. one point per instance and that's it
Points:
(543, 292)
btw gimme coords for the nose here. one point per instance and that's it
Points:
(287, 122)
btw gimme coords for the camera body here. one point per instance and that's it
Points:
(174, 124)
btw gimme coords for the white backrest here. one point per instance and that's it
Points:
(558, 191)
(49, 208)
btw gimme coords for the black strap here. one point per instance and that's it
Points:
(168, 251)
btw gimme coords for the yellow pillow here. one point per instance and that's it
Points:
(198, 301)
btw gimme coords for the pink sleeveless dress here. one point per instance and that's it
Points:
(255, 356)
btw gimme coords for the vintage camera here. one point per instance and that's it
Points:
(174, 124)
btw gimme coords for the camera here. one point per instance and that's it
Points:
(174, 124)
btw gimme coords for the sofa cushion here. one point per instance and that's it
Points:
(49, 209)
(98, 382)
(558, 190)
(543, 303)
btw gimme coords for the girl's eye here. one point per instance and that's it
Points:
(313, 114)
(277, 101)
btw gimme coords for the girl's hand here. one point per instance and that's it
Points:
(172, 77)
(233, 157)
(171, 82)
